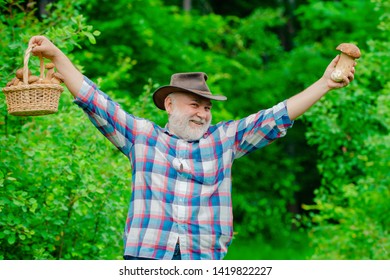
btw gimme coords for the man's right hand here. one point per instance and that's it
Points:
(44, 47)
(73, 79)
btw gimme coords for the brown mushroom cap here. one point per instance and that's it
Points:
(58, 76)
(349, 49)
(19, 73)
(32, 79)
(49, 65)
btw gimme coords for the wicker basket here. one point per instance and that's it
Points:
(32, 99)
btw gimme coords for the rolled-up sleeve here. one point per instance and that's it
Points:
(261, 129)
(110, 119)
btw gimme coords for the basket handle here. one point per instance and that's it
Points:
(25, 67)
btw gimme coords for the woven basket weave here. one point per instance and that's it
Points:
(32, 99)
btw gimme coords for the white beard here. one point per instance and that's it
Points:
(180, 125)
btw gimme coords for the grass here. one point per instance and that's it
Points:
(258, 249)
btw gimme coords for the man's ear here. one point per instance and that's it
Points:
(168, 104)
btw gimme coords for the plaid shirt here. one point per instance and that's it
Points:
(180, 190)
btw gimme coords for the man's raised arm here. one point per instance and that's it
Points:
(300, 103)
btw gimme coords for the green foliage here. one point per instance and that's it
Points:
(331, 22)
(292, 248)
(58, 199)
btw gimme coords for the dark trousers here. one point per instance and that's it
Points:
(176, 255)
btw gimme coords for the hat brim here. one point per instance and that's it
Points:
(161, 93)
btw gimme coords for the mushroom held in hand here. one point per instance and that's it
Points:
(349, 52)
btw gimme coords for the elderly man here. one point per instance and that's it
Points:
(181, 204)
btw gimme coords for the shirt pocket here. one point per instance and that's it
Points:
(207, 172)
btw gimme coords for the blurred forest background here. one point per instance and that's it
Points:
(322, 192)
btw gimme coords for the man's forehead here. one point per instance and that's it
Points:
(194, 97)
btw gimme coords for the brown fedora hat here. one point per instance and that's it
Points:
(192, 82)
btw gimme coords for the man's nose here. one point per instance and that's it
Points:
(201, 113)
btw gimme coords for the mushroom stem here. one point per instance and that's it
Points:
(16, 82)
(343, 67)
(50, 70)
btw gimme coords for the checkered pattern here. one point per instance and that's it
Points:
(180, 190)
